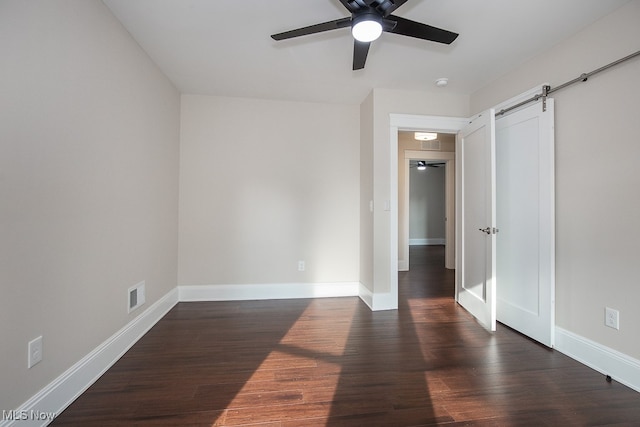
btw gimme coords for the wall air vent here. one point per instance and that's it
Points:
(433, 145)
(135, 296)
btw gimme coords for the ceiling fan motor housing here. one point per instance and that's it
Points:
(382, 7)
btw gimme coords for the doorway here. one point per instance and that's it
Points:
(535, 117)
(434, 155)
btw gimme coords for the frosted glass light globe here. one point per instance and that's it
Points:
(366, 31)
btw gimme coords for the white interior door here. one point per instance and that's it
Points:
(525, 216)
(475, 275)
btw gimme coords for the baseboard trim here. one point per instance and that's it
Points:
(61, 392)
(427, 241)
(379, 301)
(191, 293)
(622, 368)
(384, 301)
(366, 296)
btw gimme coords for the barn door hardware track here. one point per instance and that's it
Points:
(548, 90)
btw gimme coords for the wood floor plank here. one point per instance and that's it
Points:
(333, 362)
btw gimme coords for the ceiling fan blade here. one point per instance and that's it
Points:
(360, 51)
(418, 30)
(313, 29)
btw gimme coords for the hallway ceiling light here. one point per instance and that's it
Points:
(425, 136)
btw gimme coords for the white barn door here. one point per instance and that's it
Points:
(525, 217)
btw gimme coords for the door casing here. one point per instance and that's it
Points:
(408, 122)
(436, 124)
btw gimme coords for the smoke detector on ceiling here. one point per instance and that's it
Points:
(442, 82)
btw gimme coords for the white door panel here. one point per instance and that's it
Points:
(525, 217)
(475, 284)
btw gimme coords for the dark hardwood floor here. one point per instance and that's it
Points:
(333, 362)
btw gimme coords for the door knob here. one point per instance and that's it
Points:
(485, 230)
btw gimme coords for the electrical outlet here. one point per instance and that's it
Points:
(612, 318)
(301, 266)
(35, 352)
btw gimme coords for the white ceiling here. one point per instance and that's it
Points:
(221, 47)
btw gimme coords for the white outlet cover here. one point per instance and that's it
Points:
(35, 352)
(612, 318)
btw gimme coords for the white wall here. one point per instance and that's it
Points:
(366, 193)
(597, 175)
(386, 102)
(264, 184)
(89, 132)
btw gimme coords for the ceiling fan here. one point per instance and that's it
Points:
(423, 165)
(369, 18)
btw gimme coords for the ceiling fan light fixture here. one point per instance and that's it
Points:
(422, 165)
(368, 19)
(366, 27)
